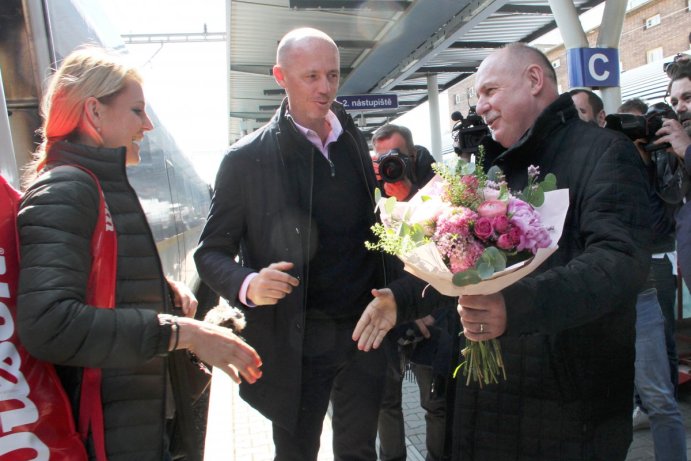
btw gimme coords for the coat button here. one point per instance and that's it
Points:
(298, 326)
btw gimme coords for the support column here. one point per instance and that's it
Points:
(434, 122)
(566, 17)
(609, 37)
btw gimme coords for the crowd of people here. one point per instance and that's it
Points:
(587, 339)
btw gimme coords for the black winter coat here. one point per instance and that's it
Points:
(260, 211)
(56, 220)
(569, 343)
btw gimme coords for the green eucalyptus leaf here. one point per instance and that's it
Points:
(426, 197)
(418, 233)
(466, 278)
(404, 230)
(377, 195)
(467, 168)
(538, 197)
(389, 204)
(484, 269)
(549, 183)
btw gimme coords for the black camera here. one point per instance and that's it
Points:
(393, 166)
(468, 133)
(642, 126)
(669, 181)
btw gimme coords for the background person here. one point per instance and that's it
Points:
(589, 105)
(678, 134)
(425, 344)
(654, 380)
(95, 116)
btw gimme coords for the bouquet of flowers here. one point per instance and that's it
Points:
(466, 233)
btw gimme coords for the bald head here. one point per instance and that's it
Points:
(517, 56)
(300, 40)
(514, 85)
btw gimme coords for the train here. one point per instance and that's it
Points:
(35, 35)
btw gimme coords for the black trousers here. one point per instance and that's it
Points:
(333, 369)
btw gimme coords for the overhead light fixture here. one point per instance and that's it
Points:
(409, 65)
(387, 83)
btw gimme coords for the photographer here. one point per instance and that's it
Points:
(656, 379)
(401, 167)
(425, 344)
(678, 134)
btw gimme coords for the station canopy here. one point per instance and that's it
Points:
(386, 46)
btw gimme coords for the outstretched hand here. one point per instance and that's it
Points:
(377, 319)
(221, 348)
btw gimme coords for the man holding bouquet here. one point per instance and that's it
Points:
(567, 331)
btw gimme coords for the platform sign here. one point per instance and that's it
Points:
(369, 101)
(593, 67)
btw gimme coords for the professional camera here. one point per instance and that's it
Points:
(393, 166)
(468, 133)
(669, 181)
(642, 126)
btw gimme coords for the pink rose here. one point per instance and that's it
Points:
(492, 208)
(504, 242)
(514, 235)
(500, 224)
(483, 228)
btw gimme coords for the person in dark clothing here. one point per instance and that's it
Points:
(678, 134)
(295, 200)
(95, 117)
(420, 344)
(566, 331)
(656, 358)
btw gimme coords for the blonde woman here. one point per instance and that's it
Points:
(95, 116)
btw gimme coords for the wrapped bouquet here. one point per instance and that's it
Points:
(465, 233)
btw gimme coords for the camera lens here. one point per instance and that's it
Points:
(392, 167)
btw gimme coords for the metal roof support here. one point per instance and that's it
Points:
(434, 123)
(608, 37)
(566, 17)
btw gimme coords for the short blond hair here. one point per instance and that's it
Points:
(84, 73)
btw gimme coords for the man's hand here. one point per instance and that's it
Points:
(399, 189)
(377, 319)
(674, 133)
(423, 324)
(483, 316)
(271, 284)
(183, 298)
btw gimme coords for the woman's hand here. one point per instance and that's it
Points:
(183, 298)
(221, 348)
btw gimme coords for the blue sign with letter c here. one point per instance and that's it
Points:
(593, 67)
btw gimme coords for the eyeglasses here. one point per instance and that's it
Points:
(671, 67)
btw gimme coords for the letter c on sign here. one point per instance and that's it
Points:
(591, 67)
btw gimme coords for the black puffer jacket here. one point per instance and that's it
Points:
(56, 220)
(569, 344)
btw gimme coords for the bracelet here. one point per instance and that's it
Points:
(176, 328)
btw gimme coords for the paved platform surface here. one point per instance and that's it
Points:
(235, 431)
